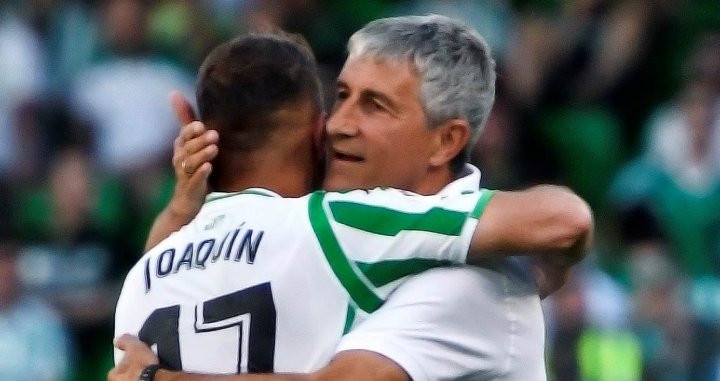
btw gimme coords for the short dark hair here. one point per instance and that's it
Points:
(243, 81)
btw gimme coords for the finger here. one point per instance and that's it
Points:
(187, 133)
(196, 186)
(198, 180)
(183, 109)
(191, 131)
(199, 143)
(203, 172)
(184, 149)
(194, 161)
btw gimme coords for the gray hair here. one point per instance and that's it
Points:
(457, 73)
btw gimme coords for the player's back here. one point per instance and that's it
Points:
(240, 286)
(261, 283)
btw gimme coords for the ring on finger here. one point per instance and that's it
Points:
(183, 165)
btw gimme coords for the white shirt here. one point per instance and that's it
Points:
(470, 323)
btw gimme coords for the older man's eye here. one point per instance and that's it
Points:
(378, 106)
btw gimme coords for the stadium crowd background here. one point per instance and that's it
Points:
(618, 99)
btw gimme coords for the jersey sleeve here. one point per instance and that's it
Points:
(480, 324)
(373, 239)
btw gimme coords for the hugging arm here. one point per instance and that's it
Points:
(348, 365)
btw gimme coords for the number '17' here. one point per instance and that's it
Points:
(252, 310)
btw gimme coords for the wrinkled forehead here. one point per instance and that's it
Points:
(372, 57)
(381, 74)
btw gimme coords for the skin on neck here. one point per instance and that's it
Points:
(266, 169)
(448, 140)
(434, 181)
(285, 164)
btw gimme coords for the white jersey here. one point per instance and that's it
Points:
(261, 283)
(470, 323)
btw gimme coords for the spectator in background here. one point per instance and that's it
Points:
(660, 316)
(590, 330)
(124, 98)
(678, 179)
(577, 71)
(682, 139)
(69, 37)
(34, 345)
(185, 31)
(22, 70)
(123, 101)
(72, 224)
(676, 182)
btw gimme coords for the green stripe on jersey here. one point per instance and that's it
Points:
(384, 272)
(390, 222)
(482, 202)
(359, 291)
(349, 319)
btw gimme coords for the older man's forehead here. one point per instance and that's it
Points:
(379, 75)
(375, 60)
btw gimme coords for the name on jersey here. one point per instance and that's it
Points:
(236, 245)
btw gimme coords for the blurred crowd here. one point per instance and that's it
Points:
(618, 99)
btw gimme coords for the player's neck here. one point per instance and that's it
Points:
(286, 175)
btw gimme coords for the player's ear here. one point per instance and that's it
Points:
(450, 138)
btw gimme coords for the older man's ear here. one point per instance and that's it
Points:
(449, 139)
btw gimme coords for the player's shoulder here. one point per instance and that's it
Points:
(257, 205)
(248, 198)
(224, 213)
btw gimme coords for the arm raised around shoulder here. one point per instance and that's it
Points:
(544, 219)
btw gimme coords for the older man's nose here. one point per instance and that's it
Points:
(342, 122)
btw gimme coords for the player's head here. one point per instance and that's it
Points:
(413, 97)
(261, 92)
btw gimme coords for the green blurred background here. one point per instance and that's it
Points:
(619, 99)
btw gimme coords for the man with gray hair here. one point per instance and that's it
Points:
(411, 100)
(455, 80)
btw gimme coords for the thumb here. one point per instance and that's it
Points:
(183, 109)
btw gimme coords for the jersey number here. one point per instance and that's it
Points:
(252, 310)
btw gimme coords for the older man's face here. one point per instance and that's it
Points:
(377, 133)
